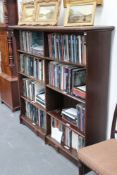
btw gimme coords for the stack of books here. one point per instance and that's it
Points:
(75, 116)
(70, 115)
(40, 98)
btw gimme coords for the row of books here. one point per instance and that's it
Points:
(32, 67)
(65, 136)
(38, 117)
(34, 90)
(70, 48)
(75, 116)
(65, 77)
(32, 42)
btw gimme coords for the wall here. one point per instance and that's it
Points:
(106, 15)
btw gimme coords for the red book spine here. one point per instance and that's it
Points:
(79, 93)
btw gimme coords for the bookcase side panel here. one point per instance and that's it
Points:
(98, 64)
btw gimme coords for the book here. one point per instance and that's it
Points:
(78, 77)
(79, 91)
(81, 112)
(40, 98)
(39, 89)
(69, 120)
(56, 130)
(74, 140)
(70, 112)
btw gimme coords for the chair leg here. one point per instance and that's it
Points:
(81, 169)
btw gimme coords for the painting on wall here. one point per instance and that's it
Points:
(99, 2)
(80, 14)
(27, 13)
(1, 12)
(46, 13)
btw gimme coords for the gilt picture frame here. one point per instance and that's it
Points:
(1, 12)
(27, 13)
(46, 12)
(98, 2)
(80, 14)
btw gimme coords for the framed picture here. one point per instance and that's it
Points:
(27, 13)
(80, 14)
(98, 2)
(1, 12)
(46, 12)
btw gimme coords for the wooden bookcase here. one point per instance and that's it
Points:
(8, 75)
(98, 48)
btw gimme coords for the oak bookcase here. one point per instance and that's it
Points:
(98, 49)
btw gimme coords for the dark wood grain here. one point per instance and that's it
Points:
(63, 29)
(98, 70)
(8, 78)
(98, 46)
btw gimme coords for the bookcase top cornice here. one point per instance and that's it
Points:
(61, 28)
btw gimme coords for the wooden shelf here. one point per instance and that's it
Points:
(57, 116)
(70, 63)
(64, 93)
(36, 129)
(71, 154)
(50, 59)
(37, 105)
(61, 28)
(36, 56)
(32, 78)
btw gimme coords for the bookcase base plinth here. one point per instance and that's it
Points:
(38, 131)
(69, 154)
(9, 91)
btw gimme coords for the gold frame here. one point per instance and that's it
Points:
(67, 23)
(46, 3)
(2, 13)
(23, 20)
(2, 21)
(99, 2)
